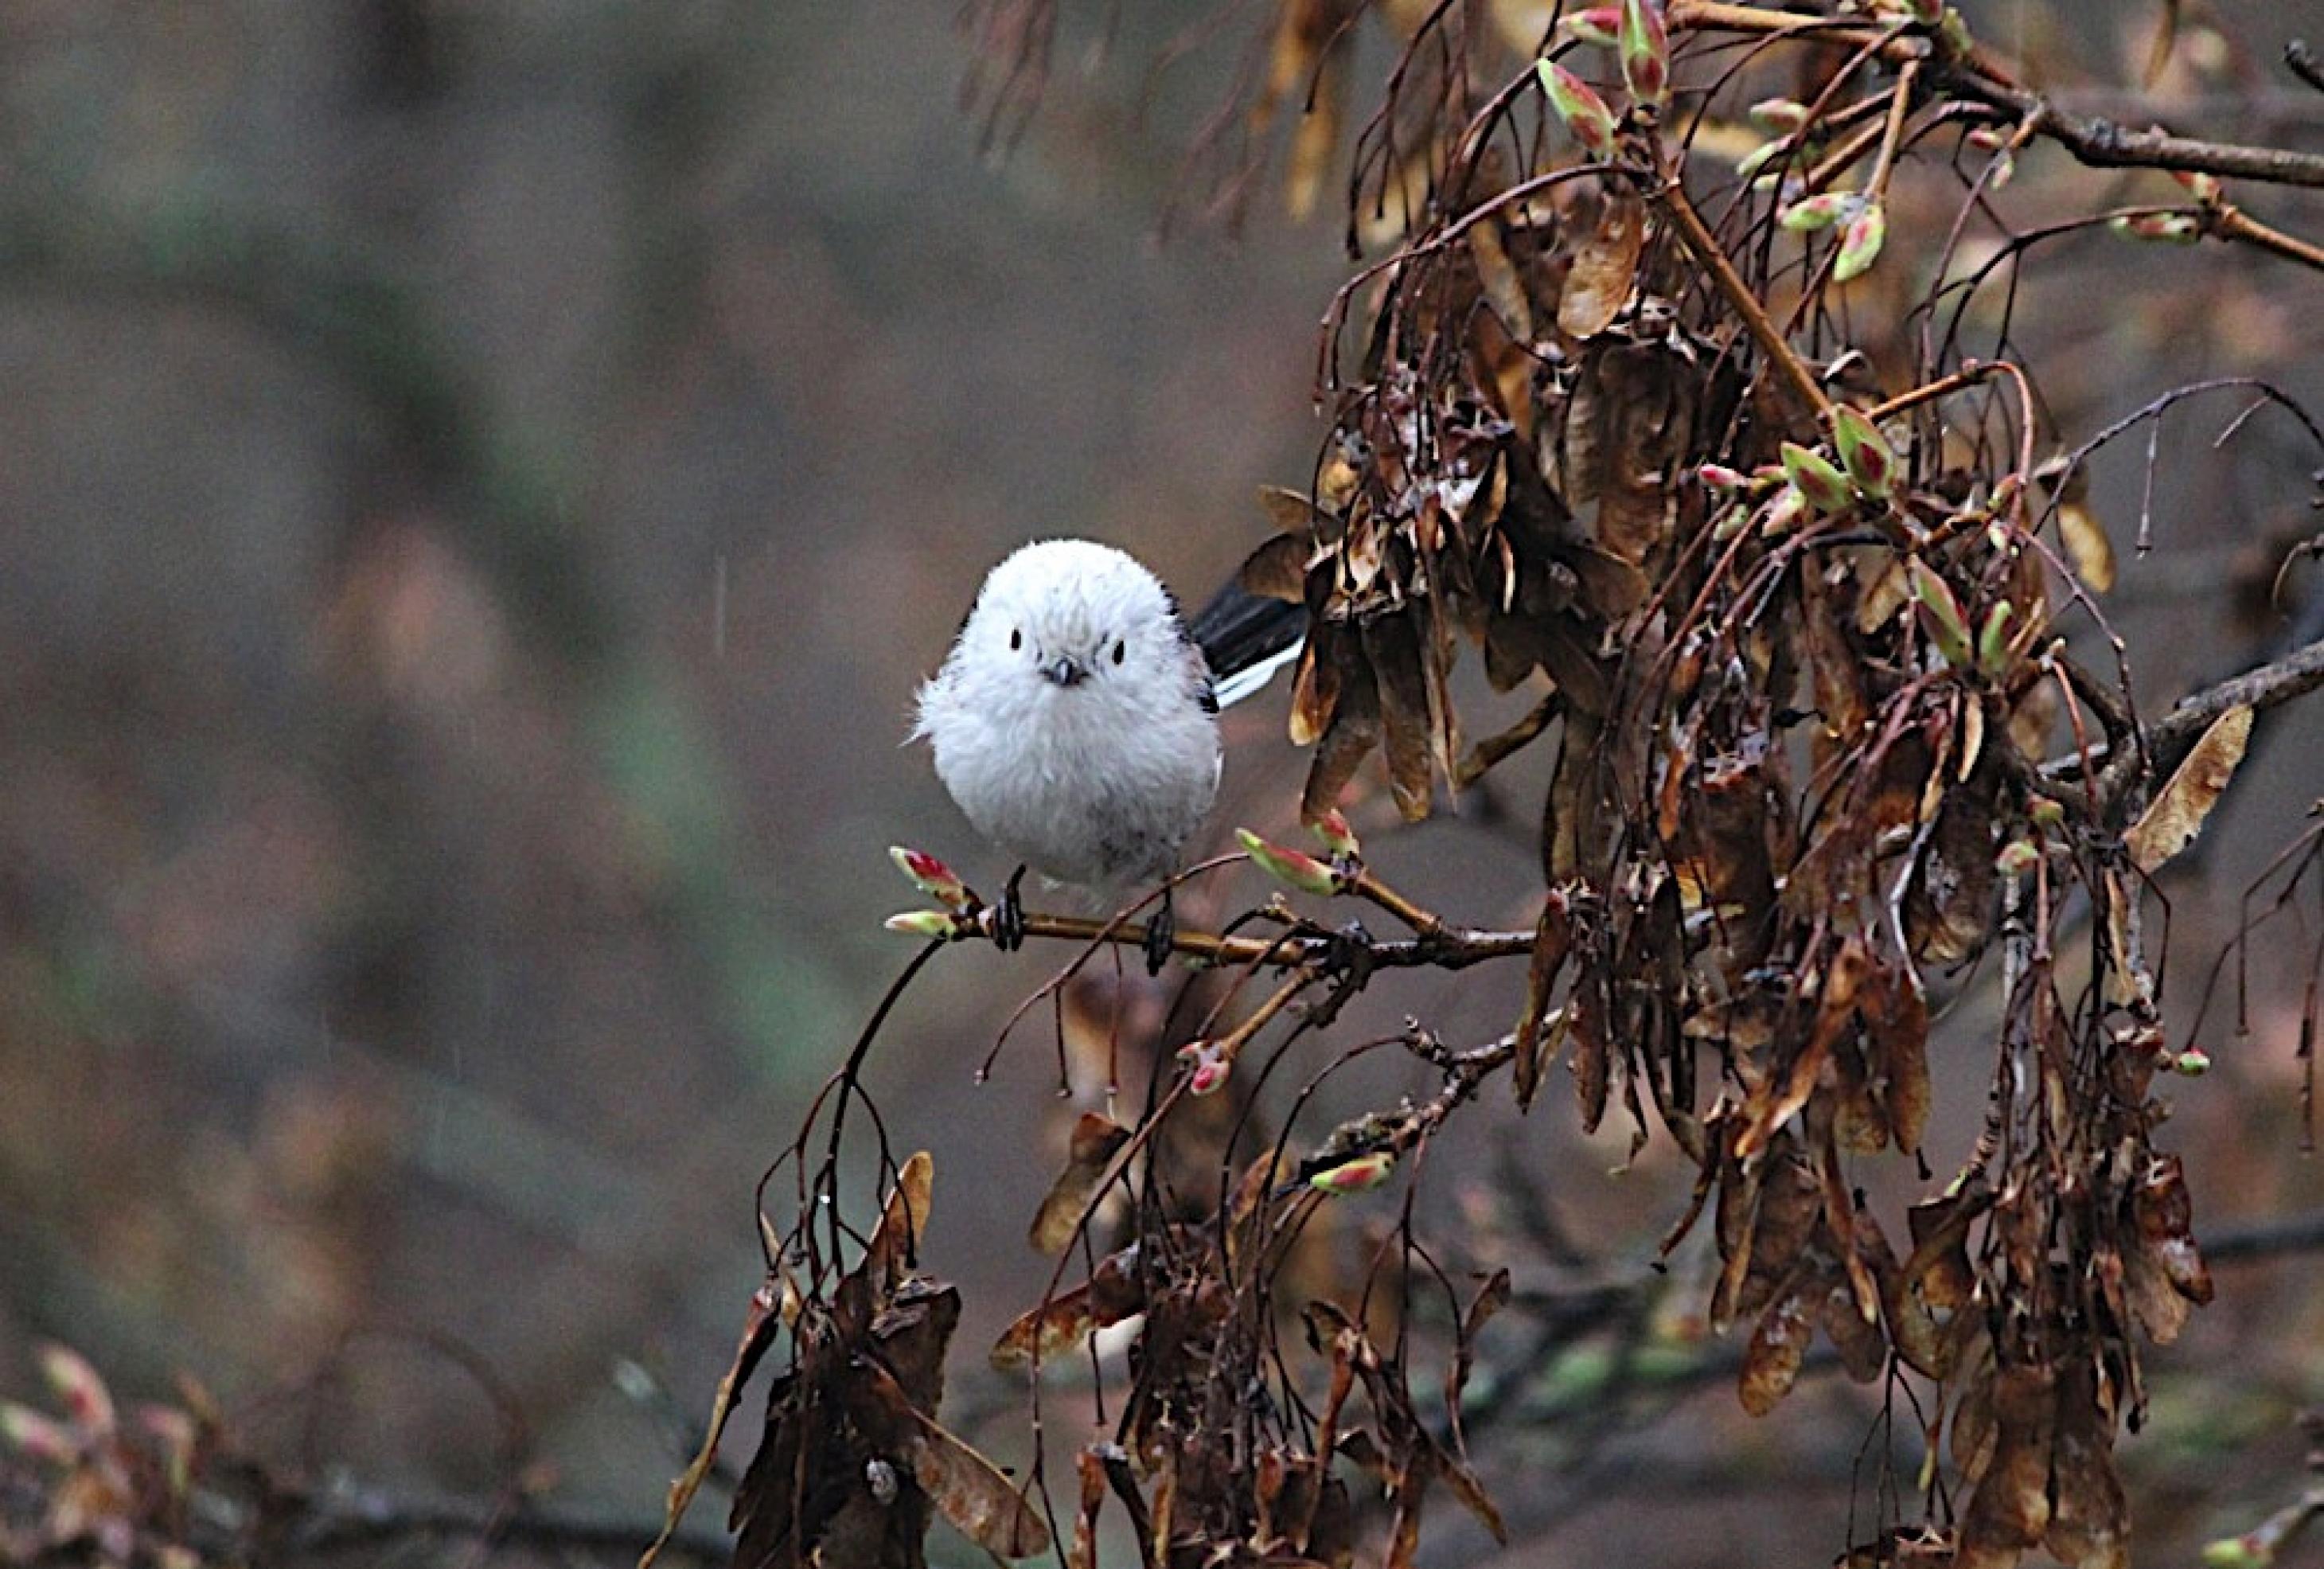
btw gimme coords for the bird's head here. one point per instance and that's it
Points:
(1076, 617)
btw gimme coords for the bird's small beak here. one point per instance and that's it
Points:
(1065, 670)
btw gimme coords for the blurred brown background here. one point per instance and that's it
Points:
(478, 483)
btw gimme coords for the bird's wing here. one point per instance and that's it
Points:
(1245, 638)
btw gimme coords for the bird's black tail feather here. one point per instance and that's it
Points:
(1246, 638)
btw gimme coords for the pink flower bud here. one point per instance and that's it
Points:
(28, 1432)
(1361, 1175)
(1779, 116)
(1820, 212)
(2202, 185)
(931, 876)
(1646, 51)
(923, 923)
(1941, 615)
(1289, 867)
(1783, 514)
(1333, 831)
(1206, 1067)
(1599, 24)
(1817, 478)
(2169, 228)
(1861, 242)
(1864, 452)
(87, 1400)
(1584, 113)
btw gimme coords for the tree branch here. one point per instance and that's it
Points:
(2170, 738)
(372, 1519)
(1983, 78)
(2295, 674)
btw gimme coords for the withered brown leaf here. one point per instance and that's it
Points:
(2175, 816)
(1095, 1141)
(1779, 1345)
(1605, 269)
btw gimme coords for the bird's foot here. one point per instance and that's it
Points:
(1008, 914)
(1161, 936)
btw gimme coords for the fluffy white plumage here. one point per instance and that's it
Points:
(1073, 721)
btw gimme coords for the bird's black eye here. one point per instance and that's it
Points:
(1117, 651)
(1016, 638)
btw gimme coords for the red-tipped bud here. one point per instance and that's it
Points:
(1941, 615)
(1361, 1175)
(1864, 452)
(2168, 228)
(1646, 51)
(1207, 1068)
(2203, 185)
(1818, 478)
(923, 923)
(1757, 159)
(1860, 241)
(1994, 652)
(2017, 857)
(1820, 212)
(1332, 831)
(1291, 868)
(1721, 479)
(1599, 24)
(1584, 113)
(1783, 514)
(931, 877)
(86, 1398)
(2194, 1062)
(28, 1432)
(1779, 116)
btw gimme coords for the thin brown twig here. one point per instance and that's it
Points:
(2170, 738)
(1704, 246)
(2231, 222)
(1447, 946)
(1984, 78)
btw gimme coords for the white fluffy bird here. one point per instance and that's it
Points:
(1075, 720)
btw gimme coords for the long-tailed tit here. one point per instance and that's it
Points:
(1075, 720)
